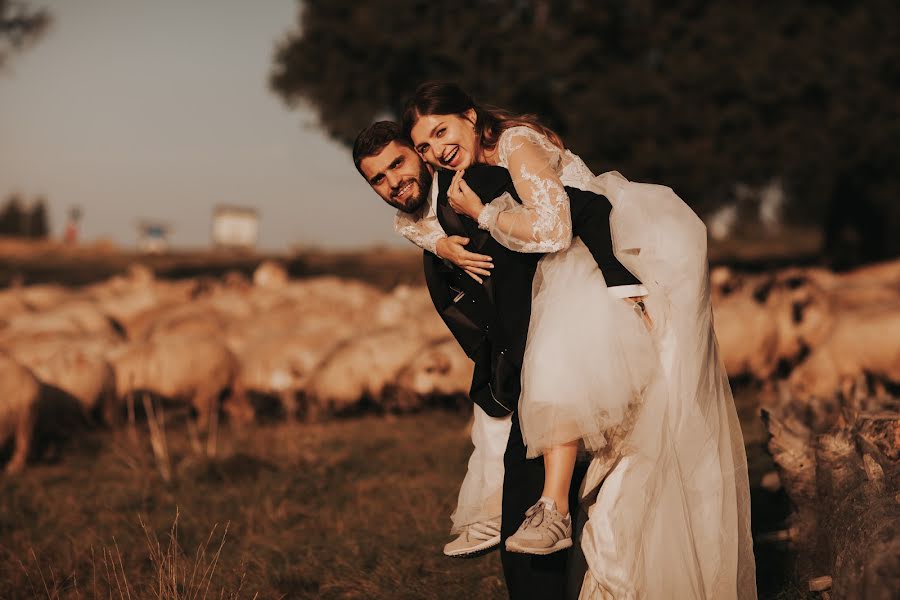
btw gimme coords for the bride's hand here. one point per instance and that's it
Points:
(645, 314)
(462, 199)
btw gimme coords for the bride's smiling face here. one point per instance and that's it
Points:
(446, 141)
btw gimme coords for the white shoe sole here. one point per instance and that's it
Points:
(477, 550)
(560, 545)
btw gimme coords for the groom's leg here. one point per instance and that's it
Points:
(527, 576)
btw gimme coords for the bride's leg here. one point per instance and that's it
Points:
(559, 463)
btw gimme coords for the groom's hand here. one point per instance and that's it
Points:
(645, 315)
(453, 249)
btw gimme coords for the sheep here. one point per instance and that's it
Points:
(190, 369)
(363, 367)
(442, 370)
(75, 317)
(45, 296)
(74, 368)
(863, 342)
(196, 318)
(19, 395)
(11, 305)
(270, 274)
(282, 363)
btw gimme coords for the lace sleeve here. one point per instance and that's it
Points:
(543, 222)
(422, 230)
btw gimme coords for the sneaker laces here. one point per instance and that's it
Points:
(534, 516)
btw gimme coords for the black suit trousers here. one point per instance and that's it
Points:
(530, 577)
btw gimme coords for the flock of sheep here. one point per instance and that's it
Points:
(328, 345)
(318, 346)
(815, 331)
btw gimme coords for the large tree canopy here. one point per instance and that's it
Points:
(20, 26)
(697, 94)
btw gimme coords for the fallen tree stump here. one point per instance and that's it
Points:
(844, 485)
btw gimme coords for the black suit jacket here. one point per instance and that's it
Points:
(490, 320)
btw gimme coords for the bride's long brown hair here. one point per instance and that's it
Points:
(437, 98)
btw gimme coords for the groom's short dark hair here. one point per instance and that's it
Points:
(374, 138)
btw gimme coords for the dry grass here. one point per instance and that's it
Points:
(349, 509)
(352, 509)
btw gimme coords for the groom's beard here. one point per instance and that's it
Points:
(423, 188)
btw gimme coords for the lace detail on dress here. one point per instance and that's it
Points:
(423, 231)
(488, 217)
(515, 138)
(575, 171)
(543, 222)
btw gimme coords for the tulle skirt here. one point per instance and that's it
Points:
(669, 512)
(588, 360)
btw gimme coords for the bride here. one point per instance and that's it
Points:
(666, 495)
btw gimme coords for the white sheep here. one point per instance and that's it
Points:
(19, 395)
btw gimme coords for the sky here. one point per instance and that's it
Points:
(139, 109)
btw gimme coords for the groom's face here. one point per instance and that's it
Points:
(399, 176)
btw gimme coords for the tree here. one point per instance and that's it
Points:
(37, 220)
(20, 26)
(696, 94)
(12, 217)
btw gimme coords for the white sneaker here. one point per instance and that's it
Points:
(544, 530)
(477, 539)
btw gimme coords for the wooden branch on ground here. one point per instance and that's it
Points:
(845, 487)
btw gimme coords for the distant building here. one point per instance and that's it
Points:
(235, 227)
(153, 236)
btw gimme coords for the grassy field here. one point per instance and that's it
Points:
(351, 509)
(356, 508)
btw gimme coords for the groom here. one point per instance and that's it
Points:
(489, 318)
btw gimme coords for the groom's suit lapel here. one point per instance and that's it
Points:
(454, 224)
(488, 183)
(451, 222)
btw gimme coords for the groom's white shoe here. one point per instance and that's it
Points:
(477, 539)
(544, 530)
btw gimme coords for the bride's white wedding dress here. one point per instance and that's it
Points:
(666, 494)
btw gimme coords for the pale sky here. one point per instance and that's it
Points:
(160, 109)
